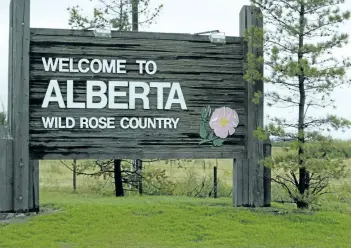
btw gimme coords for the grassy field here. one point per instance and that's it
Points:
(96, 221)
(92, 217)
(54, 175)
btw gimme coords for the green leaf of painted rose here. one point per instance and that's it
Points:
(218, 142)
(209, 111)
(203, 114)
(211, 136)
(203, 131)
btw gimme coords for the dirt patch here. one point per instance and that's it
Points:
(8, 218)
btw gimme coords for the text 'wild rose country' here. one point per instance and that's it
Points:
(118, 95)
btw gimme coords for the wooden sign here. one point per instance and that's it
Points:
(72, 95)
(135, 95)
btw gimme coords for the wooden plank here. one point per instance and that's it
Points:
(20, 103)
(162, 54)
(238, 182)
(6, 175)
(35, 185)
(179, 70)
(267, 175)
(255, 116)
(130, 153)
(245, 182)
(6, 142)
(130, 35)
(33, 197)
(10, 71)
(30, 186)
(180, 49)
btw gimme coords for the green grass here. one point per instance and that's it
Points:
(94, 218)
(96, 221)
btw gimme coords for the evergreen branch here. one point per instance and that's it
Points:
(295, 8)
(314, 10)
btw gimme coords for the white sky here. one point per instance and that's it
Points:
(178, 16)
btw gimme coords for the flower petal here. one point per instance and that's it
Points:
(231, 130)
(215, 124)
(222, 112)
(215, 115)
(221, 132)
(233, 117)
(236, 118)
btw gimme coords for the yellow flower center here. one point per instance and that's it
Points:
(223, 122)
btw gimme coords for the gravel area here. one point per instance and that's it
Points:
(7, 218)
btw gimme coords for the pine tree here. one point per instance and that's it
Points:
(299, 37)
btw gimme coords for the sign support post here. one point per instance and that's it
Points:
(25, 173)
(248, 173)
(137, 164)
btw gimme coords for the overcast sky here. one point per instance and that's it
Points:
(179, 16)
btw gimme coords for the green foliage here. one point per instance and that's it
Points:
(114, 14)
(339, 148)
(194, 186)
(322, 158)
(298, 41)
(292, 52)
(156, 182)
(187, 178)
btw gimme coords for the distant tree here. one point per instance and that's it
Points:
(299, 37)
(2, 118)
(115, 14)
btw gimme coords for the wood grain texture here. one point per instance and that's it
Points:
(19, 101)
(34, 186)
(10, 71)
(6, 175)
(267, 145)
(209, 75)
(249, 18)
(237, 182)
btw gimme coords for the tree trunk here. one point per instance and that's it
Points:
(135, 15)
(139, 166)
(301, 204)
(74, 175)
(118, 178)
(303, 173)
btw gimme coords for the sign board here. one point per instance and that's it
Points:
(135, 95)
(72, 95)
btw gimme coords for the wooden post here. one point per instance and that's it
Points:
(267, 147)
(139, 166)
(6, 174)
(215, 182)
(19, 176)
(138, 163)
(19, 103)
(251, 191)
(74, 175)
(34, 186)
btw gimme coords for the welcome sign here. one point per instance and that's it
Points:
(135, 95)
(107, 94)
(72, 95)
